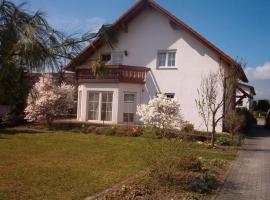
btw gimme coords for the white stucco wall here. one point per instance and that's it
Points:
(149, 32)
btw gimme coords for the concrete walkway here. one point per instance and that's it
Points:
(249, 179)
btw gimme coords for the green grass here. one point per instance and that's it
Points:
(57, 165)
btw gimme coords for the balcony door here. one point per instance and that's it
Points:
(100, 106)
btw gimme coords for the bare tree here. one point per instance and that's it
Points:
(216, 97)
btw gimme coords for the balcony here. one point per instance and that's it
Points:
(112, 74)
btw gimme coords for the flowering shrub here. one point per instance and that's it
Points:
(161, 113)
(47, 100)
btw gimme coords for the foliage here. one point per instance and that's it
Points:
(110, 131)
(262, 105)
(99, 69)
(47, 100)
(14, 88)
(28, 41)
(234, 121)
(161, 113)
(187, 128)
(223, 141)
(248, 119)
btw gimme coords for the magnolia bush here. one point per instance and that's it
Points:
(162, 113)
(48, 100)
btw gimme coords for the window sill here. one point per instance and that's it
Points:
(167, 68)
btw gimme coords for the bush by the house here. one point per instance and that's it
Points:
(161, 113)
(223, 141)
(249, 119)
(110, 131)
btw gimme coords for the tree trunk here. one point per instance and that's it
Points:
(213, 131)
(49, 121)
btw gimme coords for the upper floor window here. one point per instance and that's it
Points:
(166, 58)
(117, 58)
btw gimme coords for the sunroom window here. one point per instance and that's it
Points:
(100, 106)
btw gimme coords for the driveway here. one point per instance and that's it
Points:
(249, 178)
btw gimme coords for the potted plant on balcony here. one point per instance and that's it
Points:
(99, 69)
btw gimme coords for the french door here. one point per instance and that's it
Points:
(100, 106)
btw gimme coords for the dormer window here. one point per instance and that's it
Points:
(166, 59)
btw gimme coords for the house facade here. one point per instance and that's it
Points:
(155, 53)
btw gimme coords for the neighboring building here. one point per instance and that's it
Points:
(155, 53)
(244, 96)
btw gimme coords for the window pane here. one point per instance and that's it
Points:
(93, 105)
(104, 97)
(169, 95)
(106, 57)
(128, 117)
(106, 106)
(162, 59)
(110, 97)
(117, 58)
(171, 58)
(129, 97)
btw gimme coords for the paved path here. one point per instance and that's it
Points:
(249, 179)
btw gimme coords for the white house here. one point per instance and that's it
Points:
(155, 53)
(244, 96)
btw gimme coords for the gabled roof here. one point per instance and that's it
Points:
(135, 10)
(252, 90)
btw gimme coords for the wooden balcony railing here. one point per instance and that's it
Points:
(112, 74)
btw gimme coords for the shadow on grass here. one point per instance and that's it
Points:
(11, 131)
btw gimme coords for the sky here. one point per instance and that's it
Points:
(241, 28)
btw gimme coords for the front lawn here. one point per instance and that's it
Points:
(57, 165)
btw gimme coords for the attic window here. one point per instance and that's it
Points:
(106, 57)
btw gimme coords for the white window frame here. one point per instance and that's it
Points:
(134, 102)
(166, 66)
(99, 105)
(79, 108)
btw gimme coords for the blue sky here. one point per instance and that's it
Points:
(241, 28)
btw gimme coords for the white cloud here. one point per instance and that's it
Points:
(259, 73)
(259, 77)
